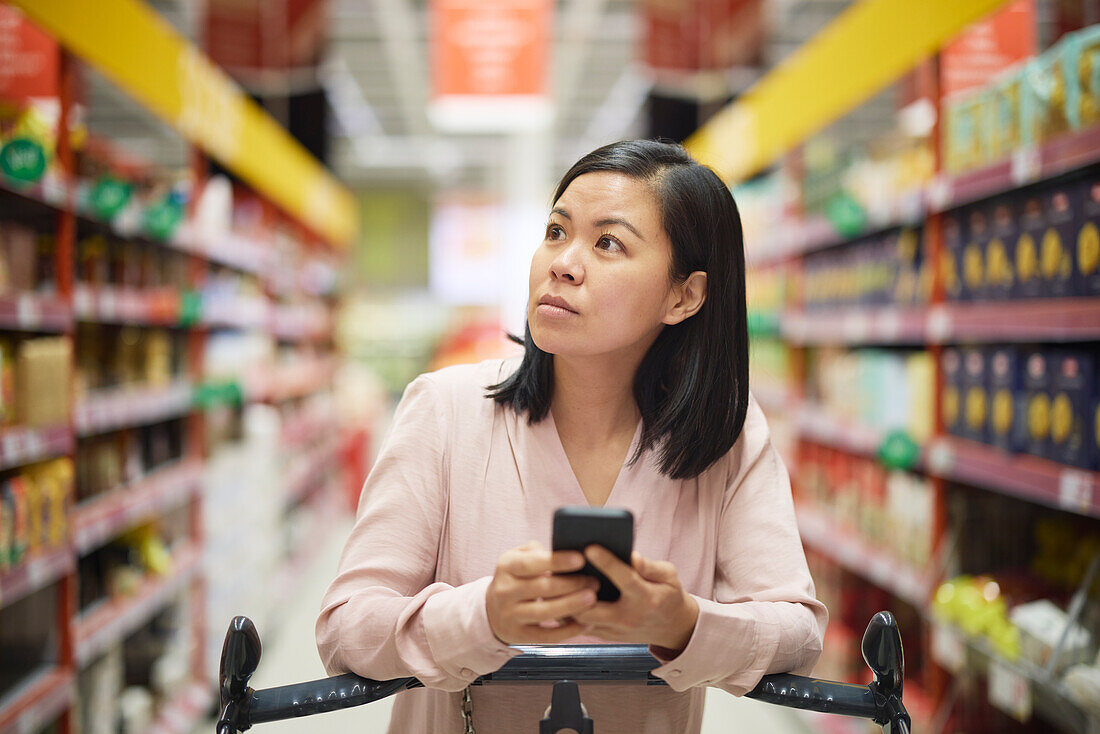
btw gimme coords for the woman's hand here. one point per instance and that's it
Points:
(653, 609)
(528, 604)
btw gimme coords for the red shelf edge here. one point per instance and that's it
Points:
(116, 618)
(874, 565)
(20, 445)
(127, 505)
(1020, 475)
(1050, 319)
(53, 692)
(34, 573)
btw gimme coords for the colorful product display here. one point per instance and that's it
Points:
(1036, 400)
(882, 270)
(34, 510)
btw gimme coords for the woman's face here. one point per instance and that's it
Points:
(605, 256)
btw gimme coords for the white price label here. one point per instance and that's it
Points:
(889, 325)
(29, 312)
(939, 193)
(948, 648)
(941, 458)
(1027, 165)
(1074, 490)
(1009, 691)
(938, 326)
(83, 301)
(856, 327)
(10, 446)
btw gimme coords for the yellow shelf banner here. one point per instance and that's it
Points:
(864, 49)
(130, 44)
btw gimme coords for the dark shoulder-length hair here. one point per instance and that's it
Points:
(692, 386)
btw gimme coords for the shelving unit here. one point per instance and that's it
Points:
(306, 219)
(752, 134)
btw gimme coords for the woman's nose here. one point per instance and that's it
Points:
(567, 266)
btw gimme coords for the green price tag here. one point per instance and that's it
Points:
(110, 196)
(212, 394)
(845, 214)
(162, 218)
(23, 159)
(899, 451)
(190, 308)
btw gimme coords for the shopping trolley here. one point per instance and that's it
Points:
(880, 701)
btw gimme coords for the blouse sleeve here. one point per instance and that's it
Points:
(384, 616)
(765, 617)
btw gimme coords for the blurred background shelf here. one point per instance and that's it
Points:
(33, 572)
(111, 621)
(37, 702)
(20, 445)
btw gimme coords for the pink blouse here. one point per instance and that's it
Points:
(460, 479)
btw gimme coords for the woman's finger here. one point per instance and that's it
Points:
(553, 585)
(570, 605)
(531, 562)
(661, 572)
(622, 575)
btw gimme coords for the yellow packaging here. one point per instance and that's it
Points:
(43, 381)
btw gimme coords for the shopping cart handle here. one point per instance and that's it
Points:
(879, 701)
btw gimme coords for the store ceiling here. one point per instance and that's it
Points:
(376, 78)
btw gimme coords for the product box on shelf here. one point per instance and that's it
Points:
(1088, 238)
(1056, 251)
(1037, 384)
(1007, 398)
(975, 406)
(951, 398)
(42, 381)
(17, 258)
(1073, 386)
(1079, 54)
(1029, 282)
(973, 260)
(951, 256)
(1000, 253)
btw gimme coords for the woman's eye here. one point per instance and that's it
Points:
(609, 243)
(554, 232)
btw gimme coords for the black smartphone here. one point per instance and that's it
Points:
(576, 528)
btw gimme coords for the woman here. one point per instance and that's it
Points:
(633, 392)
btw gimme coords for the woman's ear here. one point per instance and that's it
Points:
(687, 298)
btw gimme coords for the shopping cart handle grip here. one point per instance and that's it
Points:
(880, 701)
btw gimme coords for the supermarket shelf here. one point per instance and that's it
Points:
(857, 325)
(1028, 477)
(290, 381)
(859, 557)
(794, 238)
(107, 409)
(51, 192)
(35, 572)
(118, 305)
(297, 323)
(116, 619)
(39, 702)
(181, 714)
(1049, 698)
(1027, 165)
(236, 312)
(1049, 320)
(309, 471)
(21, 445)
(31, 311)
(96, 521)
(818, 425)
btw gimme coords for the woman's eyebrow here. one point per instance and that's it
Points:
(607, 221)
(615, 220)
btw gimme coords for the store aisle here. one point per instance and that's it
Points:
(290, 655)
